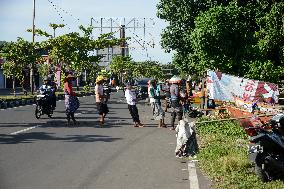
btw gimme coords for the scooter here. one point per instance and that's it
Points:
(267, 149)
(43, 106)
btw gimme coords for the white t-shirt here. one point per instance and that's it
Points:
(130, 97)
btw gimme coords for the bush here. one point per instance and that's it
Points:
(223, 157)
(87, 89)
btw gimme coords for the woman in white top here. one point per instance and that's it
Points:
(131, 101)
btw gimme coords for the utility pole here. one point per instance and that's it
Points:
(121, 26)
(122, 36)
(32, 66)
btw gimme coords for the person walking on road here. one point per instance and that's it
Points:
(159, 114)
(151, 95)
(71, 101)
(100, 99)
(131, 101)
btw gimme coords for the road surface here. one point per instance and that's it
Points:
(46, 154)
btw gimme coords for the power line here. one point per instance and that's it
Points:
(60, 11)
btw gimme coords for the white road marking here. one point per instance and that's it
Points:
(77, 114)
(192, 177)
(25, 130)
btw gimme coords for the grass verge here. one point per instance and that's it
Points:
(223, 157)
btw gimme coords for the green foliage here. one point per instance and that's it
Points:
(75, 51)
(40, 32)
(104, 73)
(235, 36)
(223, 156)
(18, 55)
(149, 69)
(87, 88)
(43, 70)
(124, 65)
(120, 64)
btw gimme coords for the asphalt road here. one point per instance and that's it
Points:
(46, 154)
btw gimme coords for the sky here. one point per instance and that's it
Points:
(16, 17)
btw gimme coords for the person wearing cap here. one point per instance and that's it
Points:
(100, 99)
(176, 106)
(71, 101)
(131, 101)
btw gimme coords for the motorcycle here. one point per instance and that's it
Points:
(267, 148)
(106, 91)
(194, 112)
(43, 106)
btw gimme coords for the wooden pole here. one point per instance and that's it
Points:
(235, 118)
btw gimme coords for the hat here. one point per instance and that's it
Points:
(99, 78)
(175, 79)
(70, 76)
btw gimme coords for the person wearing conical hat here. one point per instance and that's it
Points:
(71, 101)
(176, 106)
(100, 99)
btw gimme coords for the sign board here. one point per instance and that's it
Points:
(225, 87)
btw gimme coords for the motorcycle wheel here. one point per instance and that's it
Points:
(261, 173)
(37, 112)
(50, 113)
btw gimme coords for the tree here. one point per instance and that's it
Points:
(120, 65)
(241, 37)
(76, 52)
(55, 26)
(151, 69)
(18, 55)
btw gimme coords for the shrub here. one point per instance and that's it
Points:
(223, 156)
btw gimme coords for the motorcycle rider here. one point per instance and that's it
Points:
(53, 89)
(46, 90)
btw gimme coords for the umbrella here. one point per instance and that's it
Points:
(175, 79)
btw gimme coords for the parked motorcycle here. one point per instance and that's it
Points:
(43, 106)
(267, 148)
